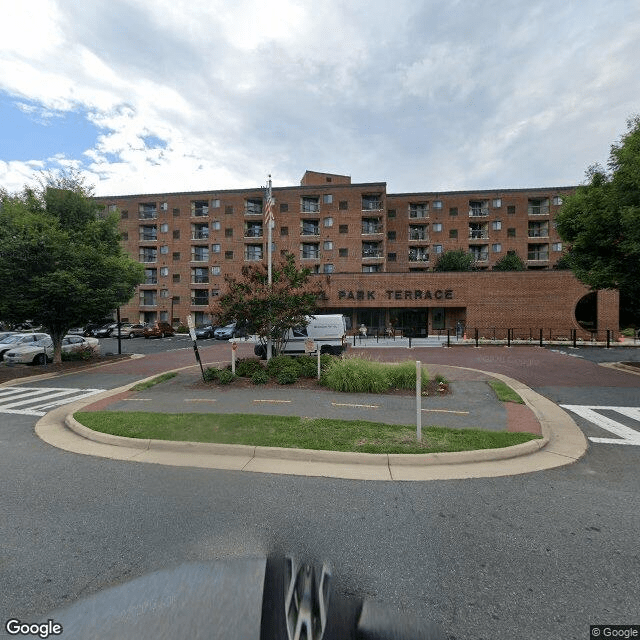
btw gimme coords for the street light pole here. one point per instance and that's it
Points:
(269, 222)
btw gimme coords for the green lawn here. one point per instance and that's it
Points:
(295, 432)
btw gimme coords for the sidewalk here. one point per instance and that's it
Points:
(469, 404)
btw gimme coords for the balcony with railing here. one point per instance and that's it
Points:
(310, 228)
(479, 254)
(478, 209)
(538, 253)
(148, 255)
(478, 232)
(538, 208)
(253, 207)
(371, 226)
(148, 236)
(199, 276)
(419, 210)
(253, 231)
(538, 230)
(418, 255)
(309, 204)
(253, 253)
(310, 253)
(200, 298)
(371, 250)
(200, 254)
(199, 232)
(200, 208)
(371, 203)
(418, 233)
(147, 211)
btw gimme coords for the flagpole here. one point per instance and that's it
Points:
(269, 221)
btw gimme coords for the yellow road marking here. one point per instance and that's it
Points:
(462, 413)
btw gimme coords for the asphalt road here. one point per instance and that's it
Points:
(535, 556)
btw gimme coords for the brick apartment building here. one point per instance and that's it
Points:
(374, 250)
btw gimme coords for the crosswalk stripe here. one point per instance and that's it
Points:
(36, 401)
(626, 435)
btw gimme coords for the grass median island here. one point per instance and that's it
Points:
(295, 432)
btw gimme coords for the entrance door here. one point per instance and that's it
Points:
(437, 318)
(413, 322)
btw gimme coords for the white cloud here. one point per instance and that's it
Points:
(422, 95)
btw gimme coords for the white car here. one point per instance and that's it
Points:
(18, 340)
(41, 351)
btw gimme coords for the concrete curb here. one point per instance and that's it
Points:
(562, 443)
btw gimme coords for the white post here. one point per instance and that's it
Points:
(234, 346)
(318, 362)
(418, 401)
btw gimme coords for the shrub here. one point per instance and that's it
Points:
(225, 376)
(440, 379)
(260, 377)
(75, 356)
(210, 374)
(278, 363)
(246, 368)
(182, 329)
(287, 375)
(307, 366)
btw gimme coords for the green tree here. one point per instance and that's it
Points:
(269, 310)
(511, 261)
(61, 263)
(601, 223)
(455, 260)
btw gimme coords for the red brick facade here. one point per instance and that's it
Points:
(361, 239)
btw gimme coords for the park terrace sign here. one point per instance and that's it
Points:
(398, 294)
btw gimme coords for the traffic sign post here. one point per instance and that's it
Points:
(192, 333)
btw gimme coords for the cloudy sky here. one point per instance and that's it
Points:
(152, 96)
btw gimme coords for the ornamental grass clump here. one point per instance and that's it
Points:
(355, 375)
(403, 375)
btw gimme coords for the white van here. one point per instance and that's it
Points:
(329, 332)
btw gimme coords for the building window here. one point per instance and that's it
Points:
(124, 214)
(371, 250)
(538, 207)
(228, 209)
(437, 248)
(371, 225)
(371, 202)
(175, 278)
(343, 228)
(453, 233)
(391, 235)
(124, 235)
(310, 227)
(309, 204)
(215, 203)
(419, 254)
(164, 227)
(496, 248)
(176, 213)
(437, 226)
(328, 245)
(215, 248)
(478, 208)
(511, 232)
(343, 253)
(215, 293)
(327, 268)
(284, 231)
(228, 255)
(228, 232)
(199, 208)
(327, 198)
(253, 252)
(557, 200)
(478, 230)
(310, 250)
(148, 233)
(538, 252)
(199, 254)
(511, 209)
(164, 271)
(215, 225)
(328, 222)
(215, 271)
(496, 225)
(556, 246)
(253, 206)
(148, 254)
(437, 204)
(417, 232)
(371, 268)
(343, 205)
(391, 213)
(497, 203)
(164, 293)
(391, 257)
(164, 249)
(176, 234)
(284, 207)
(453, 211)
(479, 252)
(176, 255)
(538, 229)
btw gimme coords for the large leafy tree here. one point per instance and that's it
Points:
(61, 263)
(269, 310)
(511, 261)
(455, 260)
(601, 224)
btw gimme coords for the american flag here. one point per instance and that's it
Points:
(268, 206)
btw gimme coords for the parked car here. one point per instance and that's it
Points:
(229, 331)
(205, 331)
(19, 339)
(158, 330)
(41, 351)
(104, 331)
(76, 331)
(129, 331)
